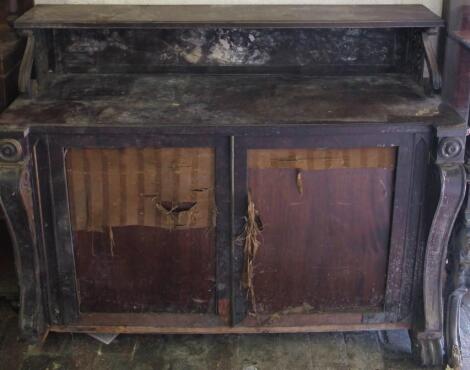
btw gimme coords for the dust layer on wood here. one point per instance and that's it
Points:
(207, 100)
(314, 50)
(170, 188)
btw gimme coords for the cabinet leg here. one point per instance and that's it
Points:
(454, 352)
(428, 348)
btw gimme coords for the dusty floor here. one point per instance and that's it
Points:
(245, 352)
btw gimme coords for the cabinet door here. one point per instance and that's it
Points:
(320, 231)
(143, 228)
(139, 224)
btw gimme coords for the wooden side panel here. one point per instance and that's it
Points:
(326, 218)
(143, 226)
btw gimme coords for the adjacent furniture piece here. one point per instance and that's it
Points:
(11, 51)
(233, 169)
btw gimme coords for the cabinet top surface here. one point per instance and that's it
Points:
(259, 16)
(224, 100)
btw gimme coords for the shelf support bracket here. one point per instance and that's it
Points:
(430, 56)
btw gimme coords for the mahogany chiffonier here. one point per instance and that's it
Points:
(233, 169)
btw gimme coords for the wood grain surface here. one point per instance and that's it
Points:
(324, 246)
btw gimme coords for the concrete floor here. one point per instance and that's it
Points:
(336, 351)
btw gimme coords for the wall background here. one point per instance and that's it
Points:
(434, 5)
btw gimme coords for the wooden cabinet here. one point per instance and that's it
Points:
(201, 170)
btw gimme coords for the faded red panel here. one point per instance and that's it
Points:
(324, 249)
(143, 223)
(145, 269)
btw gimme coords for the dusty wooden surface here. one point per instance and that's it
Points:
(317, 234)
(57, 16)
(205, 100)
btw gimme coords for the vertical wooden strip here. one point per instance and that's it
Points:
(123, 186)
(382, 155)
(195, 194)
(114, 192)
(131, 170)
(149, 190)
(176, 174)
(88, 190)
(95, 183)
(373, 160)
(70, 188)
(168, 163)
(140, 187)
(105, 187)
(75, 171)
(158, 185)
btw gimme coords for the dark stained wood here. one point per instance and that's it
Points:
(16, 205)
(145, 269)
(333, 82)
(11, 49)
(205, 100)
(273, 16)
(301, 261)
(62, 238)
(218, 50)
(453, 182)
(207, 324)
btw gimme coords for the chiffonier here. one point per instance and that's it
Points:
(234, 169)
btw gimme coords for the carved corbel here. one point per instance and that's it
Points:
(16, 204)
(430, 56)
(429, 343)
(459, 264)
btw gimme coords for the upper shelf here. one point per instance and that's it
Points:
(256, 16)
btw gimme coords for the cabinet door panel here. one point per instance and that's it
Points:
(326, 218)
(143, 228)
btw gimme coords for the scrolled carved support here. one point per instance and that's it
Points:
(459, 263)
(429, 343)
(16, 203)
(25, 81)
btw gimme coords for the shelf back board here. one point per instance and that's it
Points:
(259, 16)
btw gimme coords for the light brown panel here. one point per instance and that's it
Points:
(322, 159)
(325, 239)
(172, 188)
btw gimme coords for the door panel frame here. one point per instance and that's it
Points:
(403, 182)
(231, 178)
(52, 182)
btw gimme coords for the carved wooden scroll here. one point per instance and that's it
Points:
(459, 263)
(16, 203)
(25, 83)
(430, 342)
